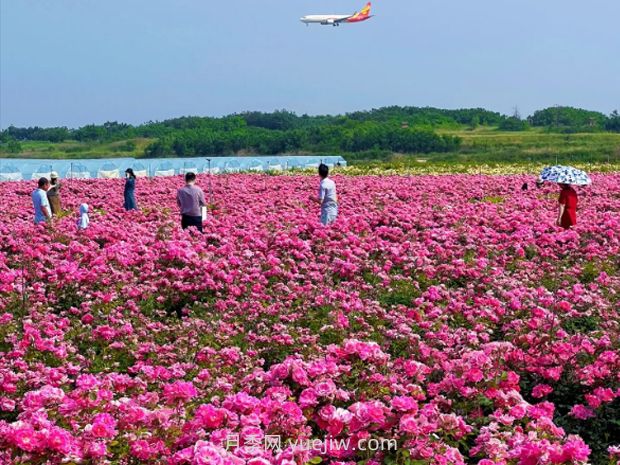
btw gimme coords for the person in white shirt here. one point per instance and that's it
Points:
(40, 202)
(328, 199)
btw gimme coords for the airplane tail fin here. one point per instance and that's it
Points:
(361, 15)
(366, 10)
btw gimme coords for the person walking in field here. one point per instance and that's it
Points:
(328, 199)
(42, 209)
(566, 177)
(190, 199)
(130, 190)
(53, 194)
(567, 210)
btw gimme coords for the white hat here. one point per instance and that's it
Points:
(53, 174)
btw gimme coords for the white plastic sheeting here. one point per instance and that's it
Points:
(164, 169)
(10, 173)
(42, 171)
(115, 167)
(312, 163)
(109, 171)
(189, 167)
(77, 171)
(140, 170)
(232, 166)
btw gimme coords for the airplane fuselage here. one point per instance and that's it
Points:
(324, 19)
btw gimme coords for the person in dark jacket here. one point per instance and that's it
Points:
(130, 190)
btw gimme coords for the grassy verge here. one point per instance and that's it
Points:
(480, 147)
(490, 146)
(78, 150)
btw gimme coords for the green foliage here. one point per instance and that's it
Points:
(474, 123)
(593, 269)
(513, 124)
(613, 122)
(401, 292)
(14, 147)
(127, 146)
(36, 133)
(582, 324)
(598, 432)
(444, 136)
(397, 129)
(415, 116)
(359, 137)
(569, 119)
(90, 132)
(279, 120)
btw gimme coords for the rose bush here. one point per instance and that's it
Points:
(446, 313)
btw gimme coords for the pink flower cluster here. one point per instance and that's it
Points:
(446, 313)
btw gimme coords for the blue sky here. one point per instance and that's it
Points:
(74, 62)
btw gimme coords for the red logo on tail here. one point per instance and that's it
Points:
(362, 15)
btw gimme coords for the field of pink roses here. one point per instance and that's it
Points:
(446, 313)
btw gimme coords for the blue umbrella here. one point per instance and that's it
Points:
(565, 175)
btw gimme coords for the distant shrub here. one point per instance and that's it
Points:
(128, 146)
(14, 147)
(514, 124)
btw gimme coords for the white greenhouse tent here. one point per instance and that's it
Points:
(312, 163)
(275, 164)
(77, 171)
(189, 167)
(43, 171)
(293, 163)
(10, 173)
(109, 171)
(140, 170)
(15, 169)
(164, 169)
(254, 165)
(232, 166)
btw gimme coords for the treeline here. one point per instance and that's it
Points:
(568, 119)
(396, 129)
(282, 120)
(320, 139)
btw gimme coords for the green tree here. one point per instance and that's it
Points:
(613, 122)
(475, 122)
(568, 119)
(513, 123)
(90, 132)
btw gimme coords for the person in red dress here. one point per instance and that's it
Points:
(567, 212)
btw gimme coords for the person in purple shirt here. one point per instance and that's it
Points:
(190, 199)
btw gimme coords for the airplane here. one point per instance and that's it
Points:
(336, 20)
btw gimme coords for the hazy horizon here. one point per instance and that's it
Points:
(76, 62)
